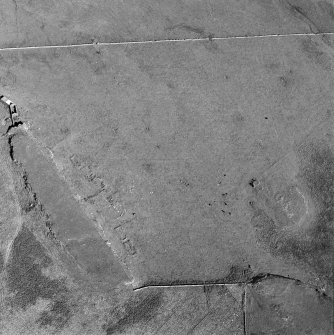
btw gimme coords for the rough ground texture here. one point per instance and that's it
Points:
(176, 187)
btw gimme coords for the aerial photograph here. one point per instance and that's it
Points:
(166, 167)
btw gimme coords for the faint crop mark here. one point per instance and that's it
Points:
(191, 331)
(110, 195)
(305, 204)
(126, 242)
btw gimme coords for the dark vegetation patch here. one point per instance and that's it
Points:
(327, 8)
(24, 270)
(134, 312)
(311, 251)
(315, 52)
(148, 167)
(238, 274)
(305, 11)
(1, 262)
(57, 317)
(193, 29)
(314, 247)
